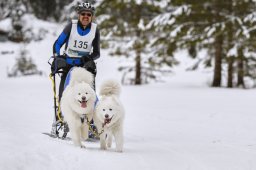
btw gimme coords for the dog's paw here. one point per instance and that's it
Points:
(103, 147)
(109, 145)
(119, 150)
(82, 146)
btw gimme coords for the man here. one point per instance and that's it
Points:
(82, 42)
(82, 46)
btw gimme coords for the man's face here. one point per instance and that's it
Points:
(85, 18)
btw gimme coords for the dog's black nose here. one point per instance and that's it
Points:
(83, 98)
(106, 116)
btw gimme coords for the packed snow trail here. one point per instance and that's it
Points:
(181, 124)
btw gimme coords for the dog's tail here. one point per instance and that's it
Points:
(79, 74)
(110, 87)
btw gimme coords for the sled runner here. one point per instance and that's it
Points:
(59, 126)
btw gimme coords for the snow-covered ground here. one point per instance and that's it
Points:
(178, 125)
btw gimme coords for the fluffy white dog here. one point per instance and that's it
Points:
(77, 104)
(109, 115)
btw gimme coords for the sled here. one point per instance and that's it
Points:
(59, 126)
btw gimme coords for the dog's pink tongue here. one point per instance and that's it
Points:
(83, 104)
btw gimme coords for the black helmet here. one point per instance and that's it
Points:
(85, 6)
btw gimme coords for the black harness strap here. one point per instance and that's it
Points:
(82, 119)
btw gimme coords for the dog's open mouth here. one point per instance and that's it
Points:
(107, 120)
(83, 103)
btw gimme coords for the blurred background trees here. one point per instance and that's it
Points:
(146, 34)
(124, 28)
(226, 29)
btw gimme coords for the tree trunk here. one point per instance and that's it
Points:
(230, 72)
(137, 47)
(138, 69)
(240, 69)
(230, 59)
(218, 61)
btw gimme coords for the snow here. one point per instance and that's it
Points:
(5, 25)
(182, 124)
(232, 51)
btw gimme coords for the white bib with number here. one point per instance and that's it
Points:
(79, 45)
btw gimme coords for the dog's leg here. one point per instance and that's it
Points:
(118, 134)
(75, 135)
(103, 141)
(109, 140)
(84, 131)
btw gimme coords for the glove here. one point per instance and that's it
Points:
(58, 63)
(89, 64)
(53, 66)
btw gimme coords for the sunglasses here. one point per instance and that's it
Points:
(86, 14)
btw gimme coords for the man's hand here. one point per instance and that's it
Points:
(89, 65)
(58, 63)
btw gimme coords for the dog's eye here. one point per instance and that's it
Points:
(104, 110)
(110, 109)
(79, 94)
(86, 93)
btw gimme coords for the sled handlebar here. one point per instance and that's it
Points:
(57, 63)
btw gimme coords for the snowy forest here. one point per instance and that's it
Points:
(186, 69)
(223, 32)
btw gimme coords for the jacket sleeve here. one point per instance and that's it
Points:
(96, 46)
(62, 39)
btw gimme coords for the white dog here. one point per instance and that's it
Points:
(77, 104)
(109, 115)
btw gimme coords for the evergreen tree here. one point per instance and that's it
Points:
(124, 23)
(48, 9)
(17, 12)
(24, 65)
(215, 25)
(5, 8)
